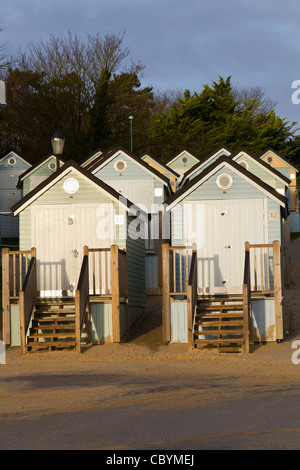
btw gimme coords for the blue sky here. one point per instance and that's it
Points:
(183, 45)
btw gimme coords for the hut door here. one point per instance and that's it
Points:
(59, 234)
(221, 241)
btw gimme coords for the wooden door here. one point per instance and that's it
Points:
(222, 227)
(59, 234)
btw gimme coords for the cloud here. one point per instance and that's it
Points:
(182, 44)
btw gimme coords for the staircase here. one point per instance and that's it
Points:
(219, 322)
(53, 324)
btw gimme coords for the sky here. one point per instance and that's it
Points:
(182, 44)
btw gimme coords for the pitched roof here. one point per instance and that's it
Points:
(206, 159)
(35, 167)
(109, 154)
(162, 165)
(168, 162)
(258, 160)
(5, 155)
(57, 175)
(279, 156)
(180, 194)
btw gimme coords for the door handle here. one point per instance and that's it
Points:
(228, 246)
(75, 253)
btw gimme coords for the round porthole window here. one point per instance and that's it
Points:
(224, 181)
(71, 185)
(269, 159)
(52, 166)
(244, 164)
(120, 166)
(184, 160)
(12, 161)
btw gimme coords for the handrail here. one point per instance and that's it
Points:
(192, 297)
(247, 298)
(81, 299)
(27, 298)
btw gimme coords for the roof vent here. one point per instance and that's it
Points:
(12, 161)
(224, 181)
(120, 166)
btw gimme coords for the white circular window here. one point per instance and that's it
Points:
(71, 185)
(244, 164)
(269, 159)
(52, 166)
(224, 181)
(120, 166)
(12, 161)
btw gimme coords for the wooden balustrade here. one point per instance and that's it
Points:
(15, 265)
(27, 297)
(192, 297)
(82, 298)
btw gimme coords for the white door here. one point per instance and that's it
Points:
(59, 234)
(223, 227)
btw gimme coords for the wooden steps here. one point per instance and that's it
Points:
(53, 324)
(219, 322)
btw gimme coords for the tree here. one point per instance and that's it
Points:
(64, 83)
(216, 116)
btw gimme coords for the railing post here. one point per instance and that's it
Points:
(278, 289)
(22, 322)
(246, 310)
(77, 321)
(115, 294)
(166, 326)
(5, 297)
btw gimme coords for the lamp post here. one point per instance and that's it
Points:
(131, 141)
(58, 142)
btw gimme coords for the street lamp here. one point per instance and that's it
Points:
(131, 144)
(58, 142)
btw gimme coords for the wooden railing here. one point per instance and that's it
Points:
(27, 299)
(175, 274)
(99, 271)
(247, 300)
(82, 298)
(266, 272)
(107, 274)
(192, 297)
(15, 266)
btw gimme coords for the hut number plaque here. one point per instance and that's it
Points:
(273, 215)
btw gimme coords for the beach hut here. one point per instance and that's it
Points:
(11, 167)
(163, 169)
(285, 167)
(182, 162)
(39, 172)
(226, 232)
(80, 271)
(147, 188)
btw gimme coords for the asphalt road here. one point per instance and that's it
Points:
(149, 405)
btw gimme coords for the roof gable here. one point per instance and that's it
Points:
(162, 166)
(177, 161)
(58, 177)
(200, 166)
(35, 168)
(19, 162)
(284, 160)
(238, 155)
(209, 172)
(113, 155)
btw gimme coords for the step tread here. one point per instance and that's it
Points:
(47, 344)
(219, 315)
(52, 335)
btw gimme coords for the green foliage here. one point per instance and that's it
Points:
(201, 122)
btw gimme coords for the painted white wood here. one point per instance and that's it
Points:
(59, 234)
(220, 229)
(141, 192)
